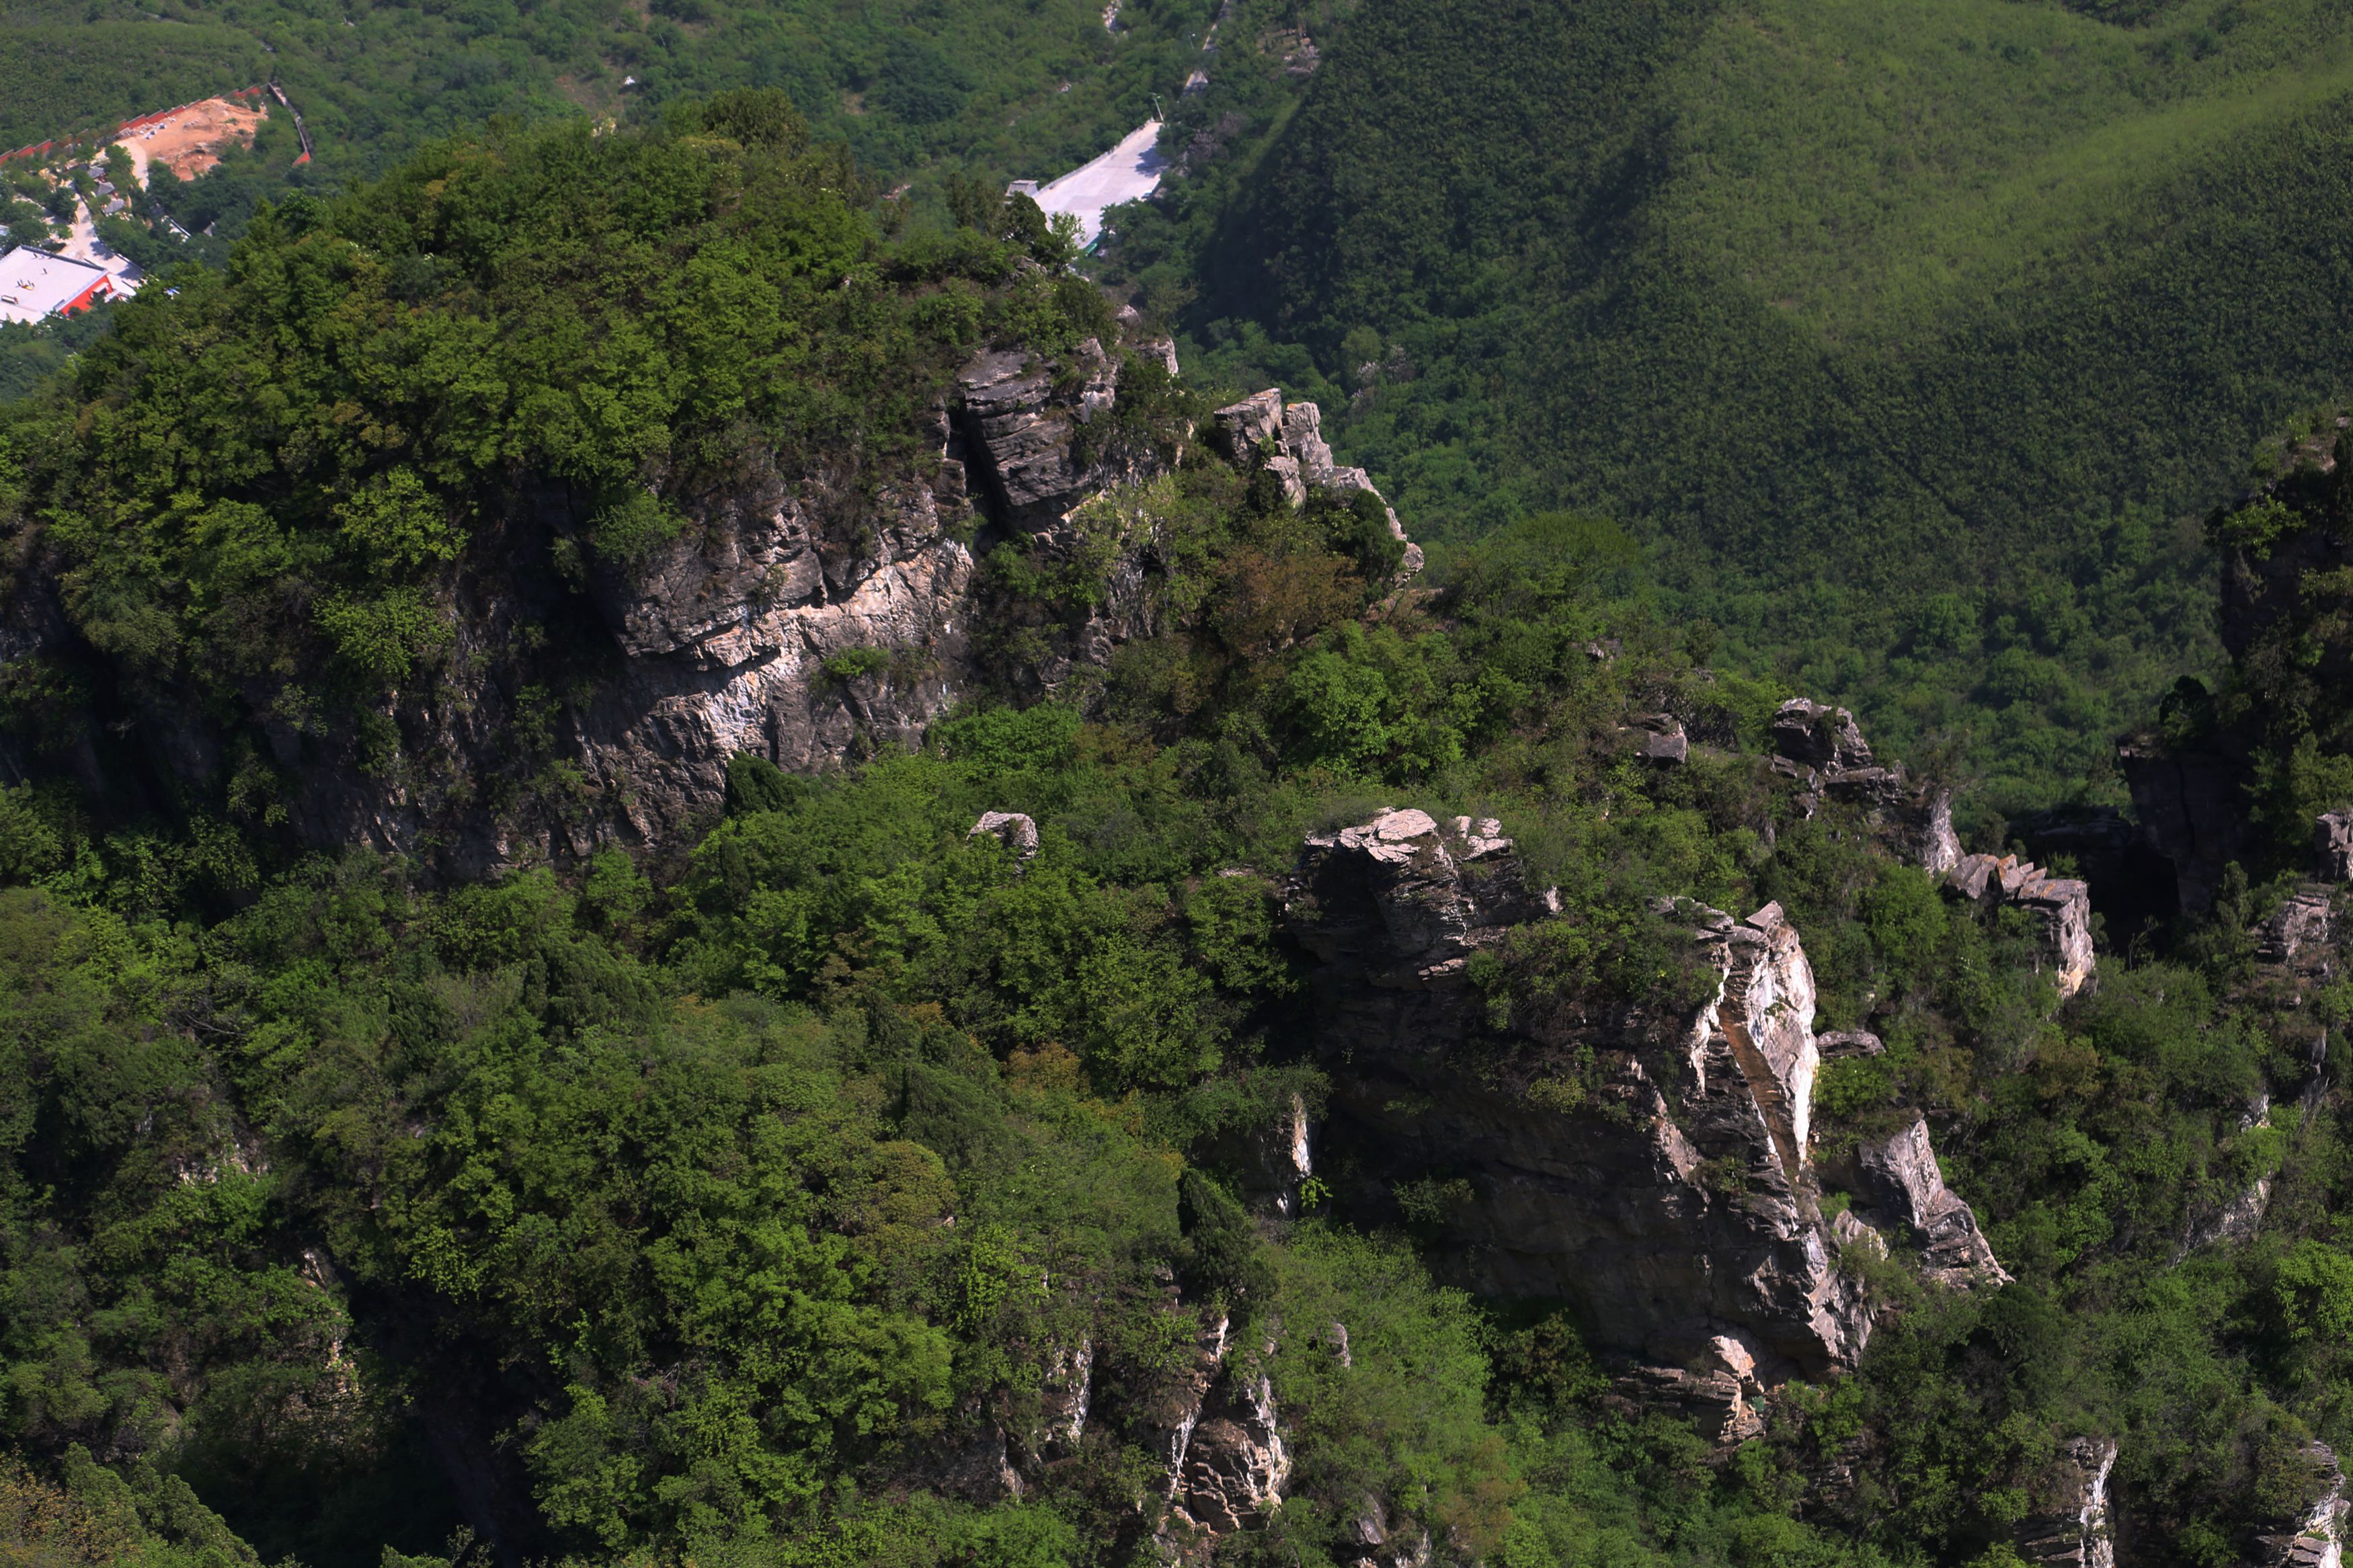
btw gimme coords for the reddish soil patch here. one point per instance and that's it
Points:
(190, 141)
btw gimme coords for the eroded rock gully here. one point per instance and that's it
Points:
(1650, 1163)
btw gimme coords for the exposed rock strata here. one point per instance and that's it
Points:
(2061, 904)
(2076, 1532)
(1822, 749)
(1670, 1193)
(1899, 1176)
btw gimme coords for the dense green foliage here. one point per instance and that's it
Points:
(269, 484)
(660, 1171)
(1015, 89)
(719, 1204)
(1893, 333)
(58, 78)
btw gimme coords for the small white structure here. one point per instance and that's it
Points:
(1128, 173)
(34, 284)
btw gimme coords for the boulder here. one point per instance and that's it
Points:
(1016, 831)
(1898, 1174)
(1659, 740)
(1850, 1043)
(1819, 737)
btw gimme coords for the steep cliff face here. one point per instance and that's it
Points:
(1664, 1183)
(1823, 749)
(807, 617)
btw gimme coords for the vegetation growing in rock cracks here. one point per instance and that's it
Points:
(713, 1206)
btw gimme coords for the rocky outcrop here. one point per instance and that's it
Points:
(1822, 749)
(2061, 904)
(1289, 439)
(1657, 739)
(1907, 1195)
(1024, 430)
(808, 616)
(1014, 830)
(1232, 1471)
(2075, 1529)
(2297, 933)
(2332, 846)
(1221, 1441)
(2317, 1542)
(1648, 1162)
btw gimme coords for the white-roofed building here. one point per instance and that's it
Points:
(34, 284)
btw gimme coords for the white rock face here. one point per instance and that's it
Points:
(1674, 1213)
(2078, 1533)
(1900, 1176)
(2063, 904)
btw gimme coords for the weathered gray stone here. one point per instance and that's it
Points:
(2333, 844)
(1822, 749)
(1659, 739)
(1850, 1043)
(2298, 930)
(1241, 427)
(1899, 1175)
(1667, 1190)
(1819, 736)
(1015, 830)
(2063, 904)
(1022, 430)
(2074, 1530)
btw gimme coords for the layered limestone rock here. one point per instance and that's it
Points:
(1289, 440)
(2075, 1530)
(1649, 1163)
(1026, 428)
(1222, 1445)
(2318, 1540)
(2298, 934)
(2062, 905)
(1905, 1191)
(1822, 749)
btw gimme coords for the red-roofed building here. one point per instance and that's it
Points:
(34, 284)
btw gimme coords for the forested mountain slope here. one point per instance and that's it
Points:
(1092, 1017)
(1018, 90)
(1906, 332)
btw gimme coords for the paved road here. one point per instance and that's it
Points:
(84, 245)
(1129, 171)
